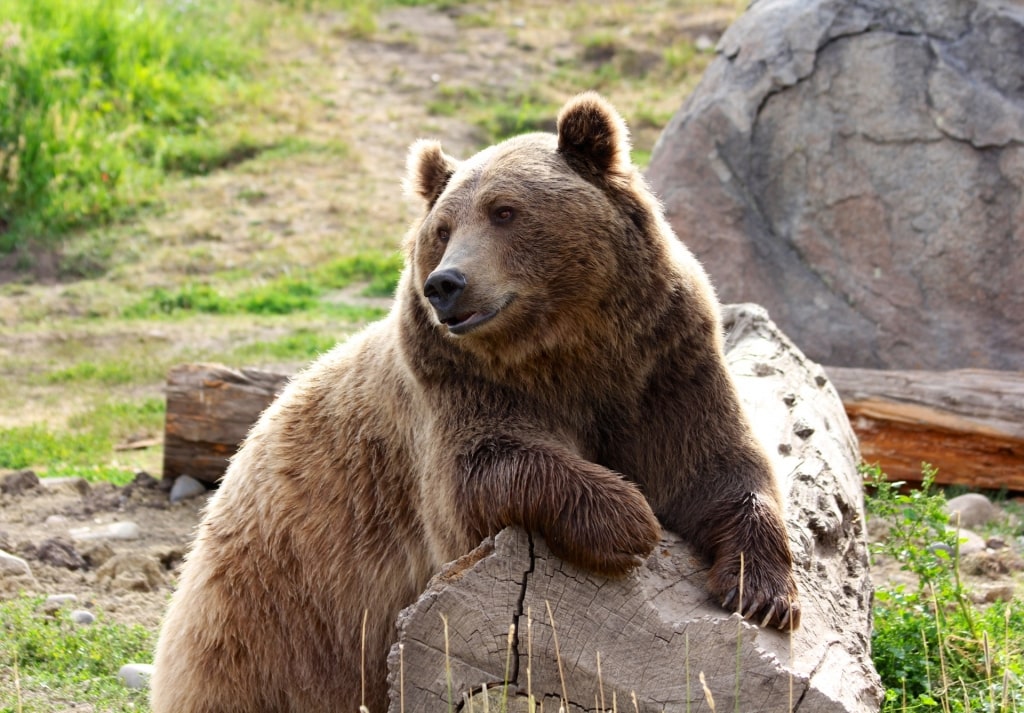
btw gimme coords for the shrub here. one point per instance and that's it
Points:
(932, 645)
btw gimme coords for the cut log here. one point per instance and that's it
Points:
(654, 641)
(967, 423)
(210, 409)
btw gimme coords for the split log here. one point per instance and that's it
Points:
(656, 635)
(210, 409)
(967, 423)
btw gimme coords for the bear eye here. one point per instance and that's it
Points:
(443, 233)
(502, 214)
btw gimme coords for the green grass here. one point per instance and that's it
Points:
(86, 448)
(303, 344)
(99, 98)
(932, 645)
(286, 294)
(46, 658)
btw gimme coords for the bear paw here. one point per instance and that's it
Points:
(768, 595)
(610, 531)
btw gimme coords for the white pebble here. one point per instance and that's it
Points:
(112, 531)
(135, 675)
(185, 487)
(83, 616)
(13, 566)
(704, 44)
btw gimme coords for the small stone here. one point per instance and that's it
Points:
(135, 675)
(936, 547)
(83, 617)
(13, 566)
(58, 552)
(55, 602)
(185, 486)
(126, 530)
(55, 521)
(995, 543)
(18, 482)
(974, 509)
(970, 542)
(703, 43)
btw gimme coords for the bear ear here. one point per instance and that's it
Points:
(428, 170)
(592, 136)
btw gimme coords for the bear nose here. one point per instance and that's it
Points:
(443, 288)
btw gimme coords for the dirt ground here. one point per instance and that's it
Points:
(125, 580)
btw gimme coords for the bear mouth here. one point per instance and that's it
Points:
(464, 323)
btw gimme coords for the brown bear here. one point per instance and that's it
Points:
(553, 360)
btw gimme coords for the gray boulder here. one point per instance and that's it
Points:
(857, 167)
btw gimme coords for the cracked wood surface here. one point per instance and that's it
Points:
(656, 631)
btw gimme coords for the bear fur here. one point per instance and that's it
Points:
(554, 360)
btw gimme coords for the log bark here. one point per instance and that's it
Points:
(656, 635)
(210, 409)
(967, 423)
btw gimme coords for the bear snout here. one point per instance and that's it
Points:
(443, 289)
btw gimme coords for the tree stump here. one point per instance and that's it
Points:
(210, 409)
(654, 641)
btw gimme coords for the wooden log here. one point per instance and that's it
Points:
(656, 635)
(210, 409)
(967, 423)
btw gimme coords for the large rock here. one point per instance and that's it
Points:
(857, 167)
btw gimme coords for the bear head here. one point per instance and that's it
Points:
(537, 243)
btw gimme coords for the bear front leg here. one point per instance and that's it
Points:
(588, 515)
(752, 571)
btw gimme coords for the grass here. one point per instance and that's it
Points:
(87, 447)
(286, 294)
(47, 657)
(932, 645)
(101, 97)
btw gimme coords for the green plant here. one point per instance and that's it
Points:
(932, 646)
(45, 655)
(286, 294)
(86, 448)
(98, 97)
